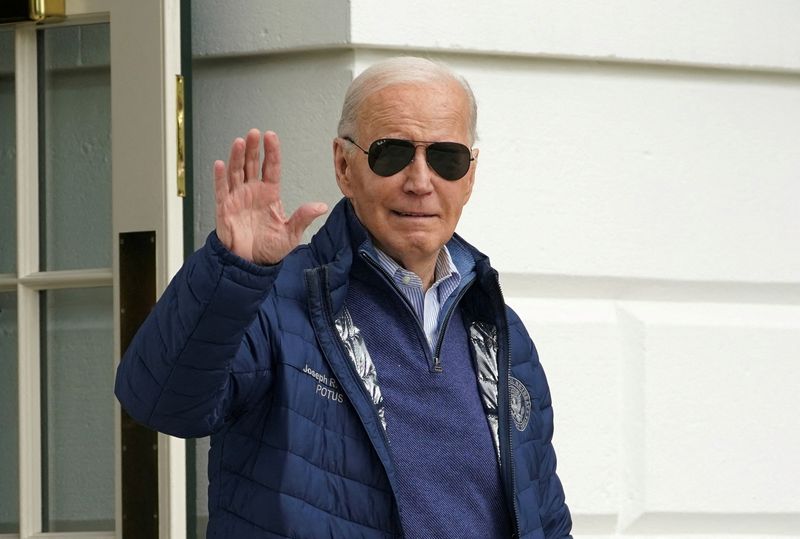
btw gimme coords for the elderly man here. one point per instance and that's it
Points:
(371, 383)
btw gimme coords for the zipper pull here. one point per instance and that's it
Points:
(437, 364)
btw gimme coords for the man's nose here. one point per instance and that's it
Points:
(418, 174)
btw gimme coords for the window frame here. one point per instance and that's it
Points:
(28, 281)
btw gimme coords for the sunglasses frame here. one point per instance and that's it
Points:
(413, 144)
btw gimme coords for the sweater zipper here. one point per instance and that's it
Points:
(500, 307)
(437, 364)
(420, 332)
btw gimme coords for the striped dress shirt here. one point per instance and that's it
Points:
(426, 305)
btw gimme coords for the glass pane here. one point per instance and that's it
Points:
(9, 418)
(75, 156)
(78, 428)
(8, 156)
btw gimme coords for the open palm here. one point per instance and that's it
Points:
(250, 218)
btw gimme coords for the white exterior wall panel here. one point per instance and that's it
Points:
(637, 172)
(298, 97)
(639, 189)
(726, 33)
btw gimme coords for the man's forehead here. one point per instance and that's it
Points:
(416, 90)
(438, 102)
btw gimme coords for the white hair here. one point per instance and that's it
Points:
(400, 70)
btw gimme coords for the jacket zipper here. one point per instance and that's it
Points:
(500, 307)
(331, 325)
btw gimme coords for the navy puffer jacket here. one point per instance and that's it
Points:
(252, 356)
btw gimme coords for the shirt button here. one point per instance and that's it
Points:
(406, 279)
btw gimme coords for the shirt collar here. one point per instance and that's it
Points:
(445, 269)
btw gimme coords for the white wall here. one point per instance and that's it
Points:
(639, 189)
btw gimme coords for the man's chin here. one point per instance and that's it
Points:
(418, 246)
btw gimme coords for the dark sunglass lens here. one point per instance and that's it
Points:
(389, 156)
(450, 160)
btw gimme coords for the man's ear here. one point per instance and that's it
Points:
(341, 166)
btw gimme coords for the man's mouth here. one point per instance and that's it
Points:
(412, 214)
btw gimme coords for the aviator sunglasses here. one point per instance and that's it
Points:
(388, 156)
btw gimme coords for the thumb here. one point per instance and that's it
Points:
(304, 216)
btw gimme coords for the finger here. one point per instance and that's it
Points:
(304, 216)
(251, 155)
(271, 169)
(220, 182)
(236, 163)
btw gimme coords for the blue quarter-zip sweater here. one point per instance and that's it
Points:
(439, 437)
(267, 361)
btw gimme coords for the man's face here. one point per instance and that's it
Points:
(413, 213)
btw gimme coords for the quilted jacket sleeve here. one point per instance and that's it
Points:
(553, 512)
(203, 352)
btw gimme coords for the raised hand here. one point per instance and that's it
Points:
(250, 218)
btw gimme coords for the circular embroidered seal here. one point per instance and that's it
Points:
(520, 401)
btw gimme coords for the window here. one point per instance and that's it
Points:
(56, 301)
